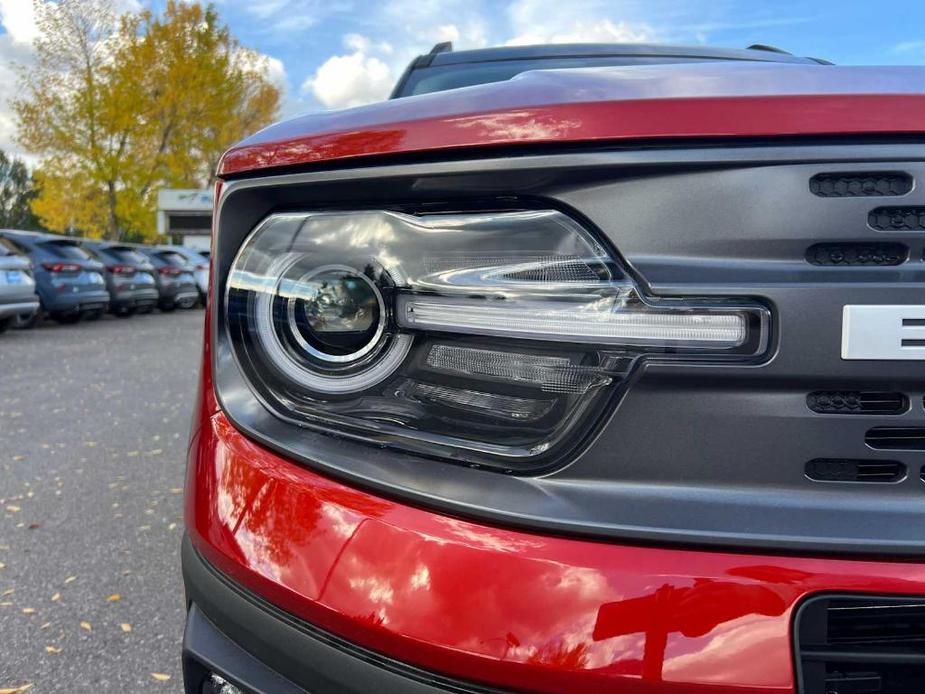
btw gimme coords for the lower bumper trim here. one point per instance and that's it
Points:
(17, 309)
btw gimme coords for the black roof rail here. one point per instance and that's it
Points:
(444, 47)
(770, 49)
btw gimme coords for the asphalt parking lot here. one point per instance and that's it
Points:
(94, 421)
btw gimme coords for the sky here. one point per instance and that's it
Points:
(339, 53)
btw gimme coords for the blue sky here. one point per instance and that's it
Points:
(335, 53)
(305, 35)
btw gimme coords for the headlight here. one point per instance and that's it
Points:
(492, 338)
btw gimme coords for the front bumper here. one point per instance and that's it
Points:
(493, 607)
(235, 634)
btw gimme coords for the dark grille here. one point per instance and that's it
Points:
(845, 470)
(841, 254)
(849, 645)
(856, 402)
(897, 219)
(856, 185)
(896, 438)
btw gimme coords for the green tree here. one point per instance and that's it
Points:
(119, 106)
(16, 195)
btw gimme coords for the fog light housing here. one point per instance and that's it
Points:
(216, 684)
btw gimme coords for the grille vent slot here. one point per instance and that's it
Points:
(896, 438)
(850, 645)
(847, 470)
(897, 219)
(844, 254)
(858, 185)
(856, 402)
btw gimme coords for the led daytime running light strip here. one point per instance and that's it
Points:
(564, 321)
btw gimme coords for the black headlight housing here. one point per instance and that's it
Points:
(495, 337)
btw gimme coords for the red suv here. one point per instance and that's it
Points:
(591, 380)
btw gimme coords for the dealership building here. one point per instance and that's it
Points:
(184, 216)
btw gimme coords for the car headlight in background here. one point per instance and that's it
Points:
(491, 338)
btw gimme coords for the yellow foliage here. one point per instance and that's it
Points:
(119, 107)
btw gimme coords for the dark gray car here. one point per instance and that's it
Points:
(69, 280)
(129, 277)
(176, 282)
(18, 299)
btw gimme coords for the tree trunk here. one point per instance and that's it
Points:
(115, 233)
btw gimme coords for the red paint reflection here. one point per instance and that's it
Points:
(503, 607)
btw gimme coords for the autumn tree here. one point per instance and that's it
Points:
(120, 106)
(16, 194)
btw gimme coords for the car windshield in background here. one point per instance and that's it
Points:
(175, 259)
(438, 78)
(64, 249)
(128, 255)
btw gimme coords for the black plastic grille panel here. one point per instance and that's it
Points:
(843, 254)
(896, 438)
(897, 219)
(845, 470)
(856, 402)
(850, 645)
(864, 184)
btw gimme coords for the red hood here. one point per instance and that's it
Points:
(698, 100)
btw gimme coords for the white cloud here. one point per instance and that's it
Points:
(351, 80)
(18, 18)
(276, 72)
(11, 54)
(283, 21)
(368, 71)
(602, 31)
(909, 47)
(578, 21)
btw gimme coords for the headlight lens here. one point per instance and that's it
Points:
(490, 338)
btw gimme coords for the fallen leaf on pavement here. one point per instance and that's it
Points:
(115, 597)
(28, 610)
(159, 676)
(12, 508)
(86, 626)
(126, 628)
(16, 690)
(70, 579)
(54, 650)
(56, 597)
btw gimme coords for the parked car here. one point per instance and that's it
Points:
(129, 277)
(591, 380)
(68, 279)
(176, 281)
(18, 300)
(195, 260)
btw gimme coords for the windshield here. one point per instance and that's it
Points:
(127, 255)
(65, 249)
(438, 78)
(175, 259)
